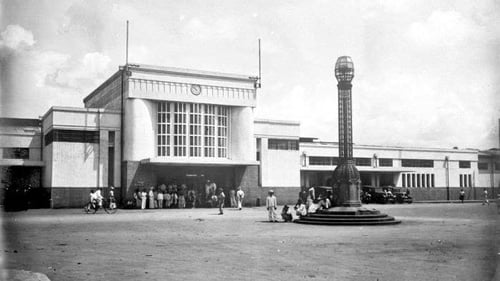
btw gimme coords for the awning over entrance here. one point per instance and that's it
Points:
(197, 162)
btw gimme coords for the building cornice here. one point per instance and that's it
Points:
(79, 109)
(394, 148)
(188, 72)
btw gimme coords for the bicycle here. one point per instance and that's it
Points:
(109, 207)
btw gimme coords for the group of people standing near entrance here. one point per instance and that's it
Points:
(174, 196)
(171, 196)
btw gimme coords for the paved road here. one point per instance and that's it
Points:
(434, 242)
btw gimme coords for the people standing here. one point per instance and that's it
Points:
(462, 195)
(303, 194)
(112, 201)
(155, 196)
(137, 197)
(160, 199)
(485, 197)
(207, 190)
(151, 195)
(232, 198)
(168, 200)
(181, 194)
(191, 198)
(239, 197)
(220, 199)
(144, 196)
(272, 206)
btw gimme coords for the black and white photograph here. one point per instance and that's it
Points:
(249, 140)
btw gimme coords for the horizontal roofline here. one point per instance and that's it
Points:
(79, 109)
(171, 70)
(27, 122)
(189, 72)
(436, 149)
(272, 121)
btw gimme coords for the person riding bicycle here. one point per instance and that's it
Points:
(99, 197)
(93, 198)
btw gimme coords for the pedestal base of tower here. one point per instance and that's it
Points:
(348, 216)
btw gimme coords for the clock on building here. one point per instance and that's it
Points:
(195, 90)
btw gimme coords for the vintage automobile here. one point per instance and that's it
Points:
(401, 197)
(376, 195)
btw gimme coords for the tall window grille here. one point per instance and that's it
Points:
(192, 130)
(195, 133)
(465, 180)
(180, 132)
(222, 124)
(209, 122)
(163, 130)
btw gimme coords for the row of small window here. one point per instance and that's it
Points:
(486, 166)
(280, 144)
(417, 180)
(359, 161)
(465, 180)
(388, 162)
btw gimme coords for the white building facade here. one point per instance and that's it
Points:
(146, 126)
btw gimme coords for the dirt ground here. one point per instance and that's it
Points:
(433, 242)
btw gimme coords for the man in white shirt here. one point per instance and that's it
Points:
(272, 206)
(239, 197)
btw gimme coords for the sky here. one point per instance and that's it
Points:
(426, 72)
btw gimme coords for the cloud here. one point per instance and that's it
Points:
(16, 37)
(95, 63)
(444, 28)
(80, 75)
(222, 28)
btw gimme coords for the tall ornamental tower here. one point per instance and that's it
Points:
(346, 177)
(347, 209)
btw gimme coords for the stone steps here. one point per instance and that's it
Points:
(339, 216)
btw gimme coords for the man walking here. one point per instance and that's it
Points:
(271, 205)
(485, 194)
(239, 197)
(220, 199)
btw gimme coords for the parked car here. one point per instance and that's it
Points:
(376, 195)
(401, 197)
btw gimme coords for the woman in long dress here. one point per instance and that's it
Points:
(144, 196)
(151, 198)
